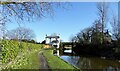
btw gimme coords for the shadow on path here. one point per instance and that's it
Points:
(43, 63)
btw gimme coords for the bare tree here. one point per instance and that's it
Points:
(84, 35)
(102, 14)
(96, 32)
(27, 10)
(73, 39)
(87, 34)
(3, 31)
(21, 34)
(115, 27)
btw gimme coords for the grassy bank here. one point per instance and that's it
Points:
(33, 61)
(20, 55)
(55, 62)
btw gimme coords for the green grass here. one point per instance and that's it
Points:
(55, 62)
(20, 55)
(33, 61)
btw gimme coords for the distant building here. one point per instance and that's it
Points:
(96, 37)
(107, 37)
(53, 40)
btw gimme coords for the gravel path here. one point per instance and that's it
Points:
(43, 63)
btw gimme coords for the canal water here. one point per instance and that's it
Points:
(90, 62)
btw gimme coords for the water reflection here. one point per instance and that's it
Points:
(91, 62)
(56, 52)
(68, 51)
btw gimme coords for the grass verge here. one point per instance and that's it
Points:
(33, 61)
(55, 63)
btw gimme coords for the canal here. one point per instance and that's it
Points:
(83, 62)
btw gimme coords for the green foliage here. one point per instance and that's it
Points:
(16, 54)
(10, 50)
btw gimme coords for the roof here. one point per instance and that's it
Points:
(52, 37)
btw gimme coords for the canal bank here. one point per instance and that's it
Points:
(86, 62)
(73, 62)
(56, 63)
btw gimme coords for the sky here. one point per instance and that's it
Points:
(66, 22)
